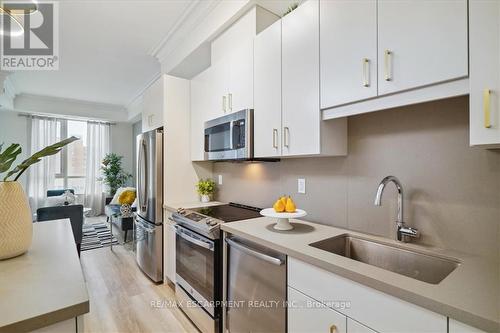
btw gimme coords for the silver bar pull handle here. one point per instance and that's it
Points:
(388, 64)
(275, 138)
(143, 199)
(256, 254)
(366, 72)
(195, 241)
(230, 101)
(286, 137)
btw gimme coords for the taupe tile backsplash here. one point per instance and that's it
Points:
(452, 191)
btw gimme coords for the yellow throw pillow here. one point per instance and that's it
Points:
(127, 197)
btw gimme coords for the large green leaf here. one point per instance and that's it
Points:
(36, 157)
(8, 156)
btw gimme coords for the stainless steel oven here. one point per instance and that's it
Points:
(197, 274)
(230, 137)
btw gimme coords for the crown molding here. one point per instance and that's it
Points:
(195, 11)
(190, 19)
(202, 18)
(141, 91)
(31, 103)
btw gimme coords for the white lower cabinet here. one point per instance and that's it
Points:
(458, 327)
(355, 327)
(306, 315)
(168, 248)
(66, 326)
(368, 308)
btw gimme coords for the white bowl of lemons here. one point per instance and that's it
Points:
(283, 209)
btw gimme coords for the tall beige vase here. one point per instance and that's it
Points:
(16, 226)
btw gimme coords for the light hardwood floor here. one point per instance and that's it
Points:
(121, 296)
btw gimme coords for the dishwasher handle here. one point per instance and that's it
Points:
(256, 254)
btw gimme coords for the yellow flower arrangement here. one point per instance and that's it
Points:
(127, 197)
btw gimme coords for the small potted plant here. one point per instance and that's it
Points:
(205, 189)
(16, 227)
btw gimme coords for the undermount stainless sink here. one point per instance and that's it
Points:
(420, 266)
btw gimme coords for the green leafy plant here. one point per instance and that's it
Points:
(205, 187)
(291, 8)
(9, 155)
(113, 174)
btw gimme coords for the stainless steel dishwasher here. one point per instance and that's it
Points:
(256, 288)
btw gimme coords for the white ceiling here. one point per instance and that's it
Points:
(104, 50)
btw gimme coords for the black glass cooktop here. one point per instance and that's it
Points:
(229, 213)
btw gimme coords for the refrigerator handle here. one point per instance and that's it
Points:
(139, 176)
(143, 201)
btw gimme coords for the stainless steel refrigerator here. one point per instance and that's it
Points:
(149, 217)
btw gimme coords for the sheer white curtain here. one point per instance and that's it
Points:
(41, 176)
(98, 138)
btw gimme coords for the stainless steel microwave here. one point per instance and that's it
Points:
(230, 137)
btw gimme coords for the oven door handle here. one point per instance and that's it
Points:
(199, 242)
(252, 252)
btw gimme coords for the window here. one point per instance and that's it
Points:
(72, 160)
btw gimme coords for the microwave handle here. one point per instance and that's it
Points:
(231, 130)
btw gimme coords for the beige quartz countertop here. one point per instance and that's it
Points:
(470, 294)
(45, 285)
(174, 206)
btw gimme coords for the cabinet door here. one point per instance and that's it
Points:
(240, 89)
(153, 106)
(421, 43)
(458, 327)
(201, 99)
(300, 80)
(267, 75)
(355, 327)
(484, 99)
(348, 48)
(218, 82)
(306, 315)
(170, 252)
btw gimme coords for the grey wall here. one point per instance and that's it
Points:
(452, 191)
(14, 129)
(121, 144)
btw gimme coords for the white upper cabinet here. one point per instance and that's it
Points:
(348, 47)
(484, 20)
(240, 88)
(232, 58)
(153, 105)
(202, 102)
(267, 91)
(217, 84)
(421, 43)
(301, 112)
(304, 133)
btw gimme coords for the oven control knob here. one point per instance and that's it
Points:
(208, 221)
(212, 222)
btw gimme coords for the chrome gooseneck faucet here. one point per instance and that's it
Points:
(404, 234)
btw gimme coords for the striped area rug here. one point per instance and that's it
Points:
(96, 235)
